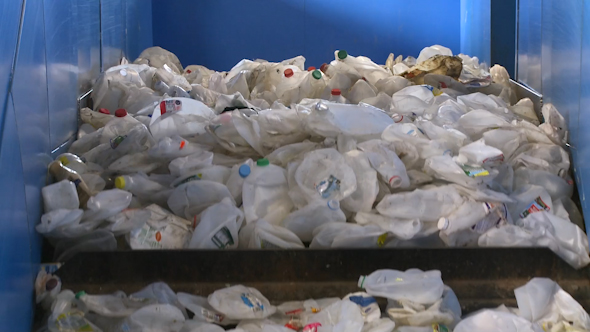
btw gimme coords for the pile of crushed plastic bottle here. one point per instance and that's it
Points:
(427, 152)
(417, 301)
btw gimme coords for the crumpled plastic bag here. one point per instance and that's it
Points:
(490, 320)
(446, 311)
(542, 301)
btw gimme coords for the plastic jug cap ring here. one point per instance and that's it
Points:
(333, 204)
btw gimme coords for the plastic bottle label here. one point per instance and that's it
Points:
(537, 205)
(170, 106)
(328, 186)
(222, 239)
(494, 160)
(474, 171)
(73, 321)
(252, 301)
(189, 179)
(116, 141)
(493, 220)
(439, 328)
(212, 317)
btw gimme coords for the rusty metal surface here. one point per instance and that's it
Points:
(480, 277)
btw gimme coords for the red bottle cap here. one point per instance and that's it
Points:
(324, 67)
(121, 112)
(311, 68)
(336, 92)
(288, 72)
(104, 111)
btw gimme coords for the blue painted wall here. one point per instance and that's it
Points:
(219, 33)
(50, 51)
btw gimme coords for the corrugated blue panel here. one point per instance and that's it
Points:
(29, 92)
(475, 29)
(16, 270)
(529, 43)
(113, 32)
(219, 33)
(582, 148)
(503, 34)
(561, 57)
(62, 77)
(87, 29)
(138, 27)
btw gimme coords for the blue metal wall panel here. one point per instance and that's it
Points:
(218, 34)
(11, 13)
(528, 70)
(87, 28)
(138, 27)
(475, 29)
(561, 58)
(503, 34)
(29, 93)
(16, 270)
(112, 32)
(582, 148)
(62, 61)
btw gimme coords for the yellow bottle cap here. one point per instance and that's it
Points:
(64, 160)
(120, 182)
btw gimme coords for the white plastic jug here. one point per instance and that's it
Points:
(241, 302)
(385, 161)
(415, 285)
(263, 235)
(60, 195)
(367, 188)
(191, 198)
(324, 175)
(217, 227)
(303, 221)
(265, 193)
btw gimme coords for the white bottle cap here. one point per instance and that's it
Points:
(443, 223)
(361, 281)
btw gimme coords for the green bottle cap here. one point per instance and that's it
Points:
(262, 162)
(79, 294)
(342, 54)
(316, 74)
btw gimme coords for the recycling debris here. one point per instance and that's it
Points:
(431, 151)
(416, 301)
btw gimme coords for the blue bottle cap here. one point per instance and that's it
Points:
(244, 171)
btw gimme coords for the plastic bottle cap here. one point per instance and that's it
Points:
(324, 67)
(333, 204)
(311, 68)
(288, 72)
(336, 92)
(64, 160)
(342, 54)
(244, 170)
(120, 182)
(51, 284)
(188, 71)
(121, 112)
(104, 111)
(316, 74)
(262, 162)
(80, 294)
(395, 181)
(443, 223)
